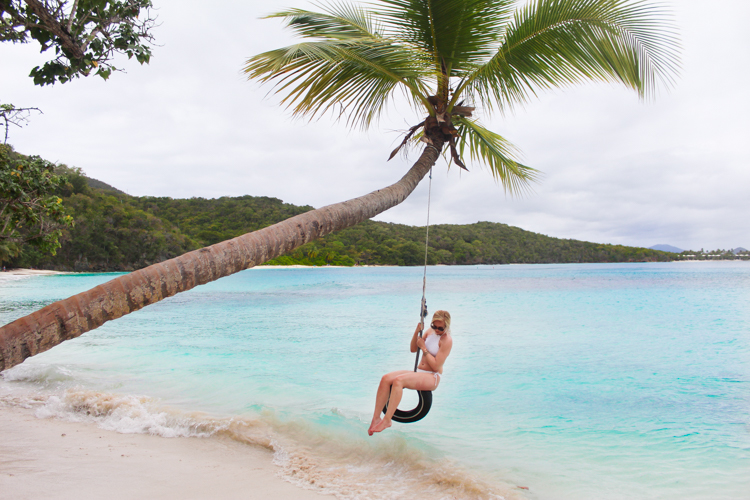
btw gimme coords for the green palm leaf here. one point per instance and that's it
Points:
(460, 33)
(350, 67)
(340, 22)
(555, 43)
(353, 60)
(496, 153)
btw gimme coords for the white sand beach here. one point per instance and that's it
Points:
(42, 272)
(49, 458)
(30, 272)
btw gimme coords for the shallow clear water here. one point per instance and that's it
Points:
(576, 381)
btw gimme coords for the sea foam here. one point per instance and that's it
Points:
(327, 452)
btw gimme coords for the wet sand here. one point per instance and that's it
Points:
(49, 458)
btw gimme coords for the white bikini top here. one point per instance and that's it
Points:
(432, 343)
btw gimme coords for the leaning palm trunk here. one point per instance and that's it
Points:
(69, 318)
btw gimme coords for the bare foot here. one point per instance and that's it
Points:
(375, 421)
(382, 425)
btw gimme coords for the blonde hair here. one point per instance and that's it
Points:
(443, 316)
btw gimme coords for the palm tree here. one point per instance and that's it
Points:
(448, 58)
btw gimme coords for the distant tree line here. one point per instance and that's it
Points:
(109, 233)
(718, 254)
(113, 231)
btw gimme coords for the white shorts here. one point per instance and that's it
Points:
(438, 377)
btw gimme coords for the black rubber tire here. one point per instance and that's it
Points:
(418, 413)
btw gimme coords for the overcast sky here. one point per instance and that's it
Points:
(616, 170)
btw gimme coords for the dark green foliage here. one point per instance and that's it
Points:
(103, 186)
(110, 232)
(31, 212)
(381, 243)
(117, 232)
(210, 221)
(85, 35)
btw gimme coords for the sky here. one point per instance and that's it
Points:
(616, 169)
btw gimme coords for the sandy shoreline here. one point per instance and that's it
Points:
(31, 272)
(43, 272)
(49, 458)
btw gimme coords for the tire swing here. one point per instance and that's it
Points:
(418, 413)
(425, 397)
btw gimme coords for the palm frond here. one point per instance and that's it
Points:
(555, 43)
(407, 137)
(496, 153)
(456, 33)
(339, 22)
(349, 67)
(352, 60)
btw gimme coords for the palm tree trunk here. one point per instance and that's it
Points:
(69, 318)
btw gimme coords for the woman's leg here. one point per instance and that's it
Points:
(382, 396)
(419, 381)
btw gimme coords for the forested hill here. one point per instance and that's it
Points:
(117, 232)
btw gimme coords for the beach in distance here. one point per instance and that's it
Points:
(606, 381)
(30, 272)
(45, 272)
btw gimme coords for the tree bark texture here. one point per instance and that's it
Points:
(71, 317)
(56, 28)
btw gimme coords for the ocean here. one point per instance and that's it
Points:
(590, 381)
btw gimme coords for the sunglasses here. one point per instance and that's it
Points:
(438, 328)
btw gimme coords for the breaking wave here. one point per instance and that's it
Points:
(328, 452)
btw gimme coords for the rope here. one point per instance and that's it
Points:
(423, 307)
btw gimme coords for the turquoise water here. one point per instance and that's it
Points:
(574, 381)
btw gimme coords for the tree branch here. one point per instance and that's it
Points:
(72, 16)
(12, 115)
(53, 26)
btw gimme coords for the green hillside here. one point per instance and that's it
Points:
(117, 232)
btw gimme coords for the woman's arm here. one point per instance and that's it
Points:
(436, 362)
(413, 346)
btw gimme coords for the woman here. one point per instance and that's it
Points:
(435, 345)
